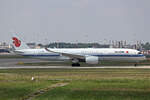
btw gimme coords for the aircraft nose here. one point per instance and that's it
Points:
(139, 52)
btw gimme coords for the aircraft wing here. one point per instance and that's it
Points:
(70, 55)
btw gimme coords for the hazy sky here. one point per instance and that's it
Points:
(75, 20)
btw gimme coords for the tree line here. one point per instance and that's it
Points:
(145, 46)
(74, 45)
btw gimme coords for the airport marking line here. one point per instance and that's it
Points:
(42, 91)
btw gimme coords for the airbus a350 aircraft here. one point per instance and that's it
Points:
(77, 55)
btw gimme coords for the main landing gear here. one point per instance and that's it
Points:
(75, 64)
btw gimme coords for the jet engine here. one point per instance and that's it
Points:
(91, 60)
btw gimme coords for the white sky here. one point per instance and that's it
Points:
(75, 20)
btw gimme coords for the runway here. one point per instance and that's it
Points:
(11, 63)
(70, 67)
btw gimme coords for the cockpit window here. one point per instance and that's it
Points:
(139, 52)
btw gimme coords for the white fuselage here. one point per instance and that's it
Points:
(102, 53)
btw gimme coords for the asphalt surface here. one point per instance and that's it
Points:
(10, 63)
(70, 67)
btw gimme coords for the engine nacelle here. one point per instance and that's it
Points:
(91, 60)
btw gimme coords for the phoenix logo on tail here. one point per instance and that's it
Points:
(16, 42)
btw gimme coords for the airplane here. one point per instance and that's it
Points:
(77, 55)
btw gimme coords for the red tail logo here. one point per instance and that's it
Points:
(16, 42)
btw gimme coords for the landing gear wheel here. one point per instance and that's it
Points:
(75, 64)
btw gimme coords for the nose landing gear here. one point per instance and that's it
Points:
(135, 64)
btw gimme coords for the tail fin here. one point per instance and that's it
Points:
(18, 44)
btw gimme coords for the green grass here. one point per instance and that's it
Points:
(100, 90)
(84, 84)
(15, 90)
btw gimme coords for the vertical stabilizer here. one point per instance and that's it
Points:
(19, 44)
